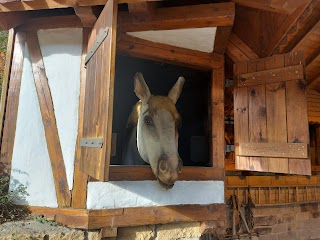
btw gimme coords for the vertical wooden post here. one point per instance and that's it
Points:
(79, 192)
(11, 111)
(217, 97)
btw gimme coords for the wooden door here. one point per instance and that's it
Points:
(270, 111)
(100, 64)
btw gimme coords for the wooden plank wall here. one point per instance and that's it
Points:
(271, 112)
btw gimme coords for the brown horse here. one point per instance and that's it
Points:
(153, 137)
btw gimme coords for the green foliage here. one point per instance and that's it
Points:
(3, 40)
(8, 210)
(43, 220)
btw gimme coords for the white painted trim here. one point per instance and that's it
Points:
(200, 39)
(123, 194)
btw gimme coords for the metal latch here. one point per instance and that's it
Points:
(102, 36)
(91, 142)
(229, 148)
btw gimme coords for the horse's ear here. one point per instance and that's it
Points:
(175, 91)
(141, 88)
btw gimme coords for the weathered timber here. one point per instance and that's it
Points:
(270, 76)
(292, 150)
(5, 79)
(196, 16)
(11, 111)
(79, 191)
(98, 103)
(140, 173)
(49, 121)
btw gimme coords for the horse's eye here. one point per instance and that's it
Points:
(148, 120)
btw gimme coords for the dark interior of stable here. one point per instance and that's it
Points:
(192, 105)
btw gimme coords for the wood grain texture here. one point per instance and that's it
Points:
(34, 24)
(197, 16)
(270, 76)
(161, 215)
(276, 114)
(217, 119)
(11, 111)
(80, 179)
(5, 79)
(99, 90)
(297, 116)
(127, 217)
(272, 126)
(141, 173)
(12, 20)
(86, 15)
(279, 6)
(165, 53)
(221, 39)
(241, 117)
(49, 121)
(274, 150)
(238, 51)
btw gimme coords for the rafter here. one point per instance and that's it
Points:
(86, 16)
(238, 51)
(10, 6)
(205, 15)
(11, 20)
(279, 6)
(147, 8)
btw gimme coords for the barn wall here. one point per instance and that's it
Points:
(123, 194)
(61, 50)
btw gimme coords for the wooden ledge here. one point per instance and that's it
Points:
(125, 217)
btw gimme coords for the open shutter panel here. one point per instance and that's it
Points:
(100, 64)
(270, 112)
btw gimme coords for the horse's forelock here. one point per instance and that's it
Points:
(155, 103)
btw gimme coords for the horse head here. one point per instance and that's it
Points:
(157, 131)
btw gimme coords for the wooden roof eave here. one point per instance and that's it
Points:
(12, 6)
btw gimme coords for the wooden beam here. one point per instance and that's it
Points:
(147, 8)
(165, 53)
(238, 51)
(86, 16)
(137, 216)
(221, 39)
(217, 119)
(11, 20)
(5, 79)
(80, 179)
(279, 6)
(52, 4)
(197, 16)
(309, 17)
(49, 121)
(11, 111)
(140, 173)
(313, 70)
(34, 24)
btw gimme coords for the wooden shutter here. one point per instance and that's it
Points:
(97, 122)
(270, 111)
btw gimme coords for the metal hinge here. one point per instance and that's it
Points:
(97, 44)
(228, 83)
(229, 148)
(91, 142)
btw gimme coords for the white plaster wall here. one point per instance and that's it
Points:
(201, 39)
(61, 50)
(30, 160)
(121, 194)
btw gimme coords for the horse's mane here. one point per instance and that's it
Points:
(154, 103)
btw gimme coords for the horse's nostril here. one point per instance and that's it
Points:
(163, 165)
